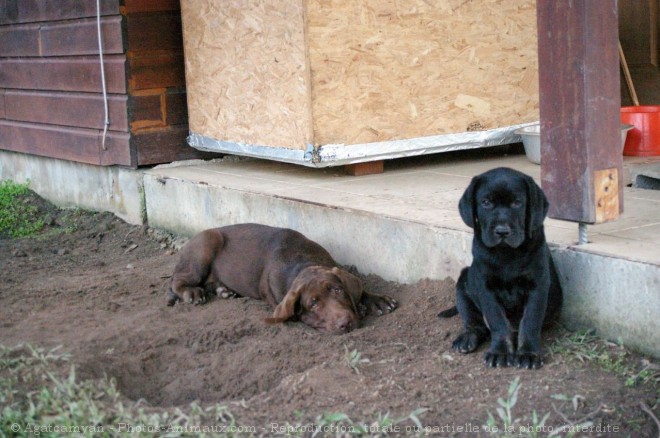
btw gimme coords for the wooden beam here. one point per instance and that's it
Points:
(165, 145)
(368, 168)
(580, 109)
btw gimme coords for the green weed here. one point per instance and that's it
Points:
(354, 359)
(585, 347)
(58, 406)
(17, 217)
(507, 424)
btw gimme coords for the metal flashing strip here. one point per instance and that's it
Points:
(340, 154)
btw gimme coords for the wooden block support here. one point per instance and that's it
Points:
(580, 109)
(368, 168)
(607, 195)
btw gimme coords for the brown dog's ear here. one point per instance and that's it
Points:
(287, 307)
(537, 206)
(351, 283)
(467, 206)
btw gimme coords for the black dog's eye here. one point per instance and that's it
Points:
(516, 204)
(485, 203)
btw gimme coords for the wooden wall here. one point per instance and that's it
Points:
(50, 83)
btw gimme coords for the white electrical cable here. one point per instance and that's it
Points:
(106, 122)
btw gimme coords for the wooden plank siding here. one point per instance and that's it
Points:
(69, 38)
(83, 110)
(64, 74)
(51, 100)
(31, 11)
(66, 143)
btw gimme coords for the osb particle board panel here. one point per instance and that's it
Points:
(388, 69)
(246, 74)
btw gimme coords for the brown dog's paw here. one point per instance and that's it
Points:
(194, 295)
(225, 293)
(378, 304)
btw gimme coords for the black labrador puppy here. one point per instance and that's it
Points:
(512, 285)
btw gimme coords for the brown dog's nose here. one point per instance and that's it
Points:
(345, 324)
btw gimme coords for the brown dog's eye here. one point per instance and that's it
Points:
(314, 303)
(485, 203)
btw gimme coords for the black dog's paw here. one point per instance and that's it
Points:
(500, 354)
(498, 360)
(467, 342)
(378, 304)
(529, 360)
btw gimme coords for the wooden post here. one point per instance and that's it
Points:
(581, 154)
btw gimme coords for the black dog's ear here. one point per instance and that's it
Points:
(466, 206)
(537, 206)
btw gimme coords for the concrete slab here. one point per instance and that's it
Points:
(69, 184)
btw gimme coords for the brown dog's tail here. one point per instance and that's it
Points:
(448, 313)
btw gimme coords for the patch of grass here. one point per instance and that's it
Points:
(18, 218)
(507, 425)
(585, 347)
(55, 406)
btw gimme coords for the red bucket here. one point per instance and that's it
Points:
(644, 139)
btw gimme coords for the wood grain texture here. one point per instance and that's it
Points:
(246, 72)
(580, 104)
(385, 70)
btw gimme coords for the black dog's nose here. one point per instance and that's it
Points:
(503, 231)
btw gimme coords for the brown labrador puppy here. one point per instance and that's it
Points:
(281, 266)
